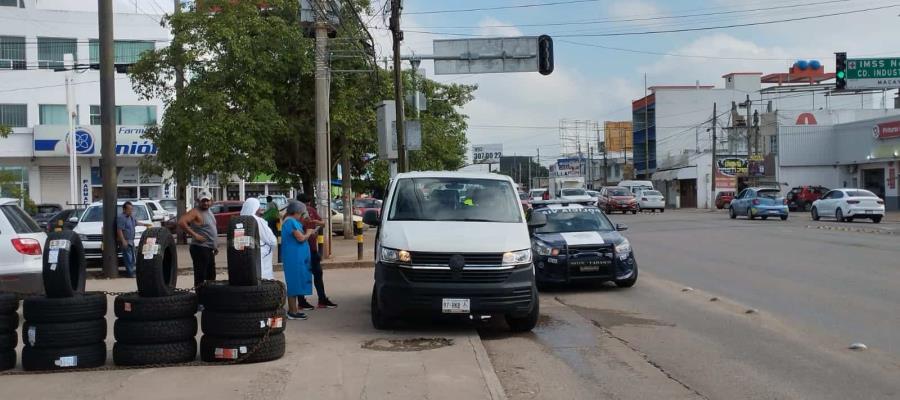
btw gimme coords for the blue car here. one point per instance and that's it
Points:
(759, 202)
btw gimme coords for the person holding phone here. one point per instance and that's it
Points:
(295, 257)
(313, 221)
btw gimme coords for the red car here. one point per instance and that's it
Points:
(223, 211)
(614, 198)
(723, 199)
(360, 206)
(802, 197)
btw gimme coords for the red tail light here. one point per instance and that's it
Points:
(755, 202)
(546, 196)
(28, 247)
(852, 201)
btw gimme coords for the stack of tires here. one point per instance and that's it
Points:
(156, 324)
(9, 324)
(66, 328)
(243, 317)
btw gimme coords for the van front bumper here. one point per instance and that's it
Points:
(406, 291)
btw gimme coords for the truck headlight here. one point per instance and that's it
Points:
(395, 256)
(623, 250)
(517, 257)
(545, 250)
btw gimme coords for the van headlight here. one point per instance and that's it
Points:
(83, 238)
(517, 257)
(623, 250)
(395, 256)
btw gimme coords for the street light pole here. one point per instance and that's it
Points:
(108, 137)
(73, 153)
(402, 164)
(323, 161)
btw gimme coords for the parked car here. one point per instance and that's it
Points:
(802, 197)
(65, 220)
(45, 212)
(759, 202)
(572, 243)
(337, 222)
(462, 250)
(171, 205)
(723, 199)
(848, 204)
(280, 200)
(21, 245)
(360, 206)
(538, 194)
(651, 200)
(90, 227)
(636, 186)
(576, 195)
(616, 198)
(223, 211)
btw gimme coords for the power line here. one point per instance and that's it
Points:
(465, 10)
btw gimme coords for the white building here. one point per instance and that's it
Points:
(34, 39)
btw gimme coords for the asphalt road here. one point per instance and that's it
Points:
(811, 288)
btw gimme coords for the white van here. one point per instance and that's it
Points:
(453, 243)
(636, 186)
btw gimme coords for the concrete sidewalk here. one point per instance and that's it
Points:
(336, 354)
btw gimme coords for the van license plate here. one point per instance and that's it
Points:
(456, 306)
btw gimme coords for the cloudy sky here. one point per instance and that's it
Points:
(598, 74)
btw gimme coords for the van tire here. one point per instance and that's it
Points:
(154, 332)
(222, 297)
(9, 322)
(133, 307)
(66, 334)
(158, 275)
(55, 358)
(82, 307)
(380, 320)
(9, 303)
(243, 325)
(264, 349)
(66, 276)
(528, 322)
(244, 267)
(7, 359)
(150, 354)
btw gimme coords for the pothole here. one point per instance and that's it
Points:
(417, 344)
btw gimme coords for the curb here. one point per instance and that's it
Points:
(851, 229)
(487, 369)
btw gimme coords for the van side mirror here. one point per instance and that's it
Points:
(371, 218)
(621, 227)
(537, 220)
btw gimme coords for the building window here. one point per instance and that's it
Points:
(54, 114)
(773, 144)
(14, 115)
(12, 52)
(128, 115)
(12, 3)
(51, 51)
(124, 52)
(616, 170)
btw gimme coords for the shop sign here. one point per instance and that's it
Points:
(887, 130)
(52, 140)
(85, 191)
(733, 166)
(568, 167)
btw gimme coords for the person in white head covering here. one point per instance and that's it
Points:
(267, 240)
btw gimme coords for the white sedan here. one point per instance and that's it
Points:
(576, 195)
(845, 205)
(337, 222)
(651, 200)
(21, 241)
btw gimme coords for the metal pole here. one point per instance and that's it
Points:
(415, 88)
(402, 164)
(747, 126)
(182, 182)
(715, 167)
(323, 164)
(646, 131)
(73, 153)
(108, 136)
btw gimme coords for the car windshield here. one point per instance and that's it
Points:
(367, 203)
(574, 220)
(860, 193)
(619, 192)
(455, 199)
(573, 192)
(169, 205)
(537, 193)
(47, 209)
(95, 213)
(768, 193)
(652, 193)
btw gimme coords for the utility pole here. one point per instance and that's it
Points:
(646, 132)
(73, 153)
(715, 167)
(747, 126)
(323, 162)
(181, 182)
(590, 171)
(397, 34)
(108, 136)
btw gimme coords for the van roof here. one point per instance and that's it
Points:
(453, 174)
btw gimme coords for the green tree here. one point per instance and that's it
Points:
(5, 131)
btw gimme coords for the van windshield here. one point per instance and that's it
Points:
(455, 199)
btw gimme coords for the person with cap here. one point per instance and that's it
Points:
(267, 240)
(295, 257)
(314, 222)
(200, 224)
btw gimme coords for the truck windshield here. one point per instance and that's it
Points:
(455, 199)
(573, 192)
(574, 220)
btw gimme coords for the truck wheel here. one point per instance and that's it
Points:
(243, 252)
(162, 353)
(64, 334)
(219, 349)
(784, 217)
(157, 274)
(63, 265)
(85, 307)
(528, 322)
(57, 358)
(222, 297)
(133, 307)
(380, 321)
(876, 219)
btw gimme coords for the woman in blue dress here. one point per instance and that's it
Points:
(295, 257)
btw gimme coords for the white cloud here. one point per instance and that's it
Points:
(490, 26)
(631, 9)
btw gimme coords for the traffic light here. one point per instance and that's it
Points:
(545, 54)
(840, 70)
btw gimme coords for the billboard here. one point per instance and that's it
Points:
(569, 167)
(487, 153)
(53, 141)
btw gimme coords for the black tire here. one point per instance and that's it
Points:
(9, 303)
(132, 307)
(662, 210)
(814, 214)
(219, 349)
(839, 215)
(9, 322)
(150, 354)
(65, 275)
(7, 359)
(764, 218)
(784, 217)
(750, 215)
(220, 296)
(380, 320)
(243, 258)
(157, 275)
(876, 220)
(57, 358)
(731, 213)
(155, 332)
(627, 283)
(243, 325)
(84, 307)
(528, 322)
(66, 334)
(8, 340)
